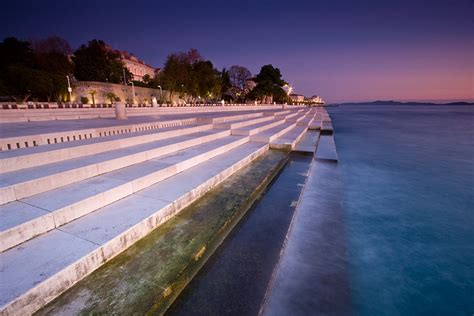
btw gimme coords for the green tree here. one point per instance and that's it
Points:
(269, 83)
(29, 73)
(96, 61)
(93, 93)
(112, 97)
(177, 73)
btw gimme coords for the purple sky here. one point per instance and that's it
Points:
(343, 50)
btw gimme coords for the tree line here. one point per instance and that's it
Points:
(37, 70)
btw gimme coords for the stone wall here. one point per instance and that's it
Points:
(142, 95)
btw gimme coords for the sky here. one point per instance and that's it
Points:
(343, 50)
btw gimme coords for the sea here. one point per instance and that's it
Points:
(408, 207)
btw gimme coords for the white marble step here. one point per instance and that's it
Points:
(297, 118)
(250, 130)
(242, 123)
(273, 133)
(35, 156)
(315, 124)
(289, 140)
(41, 269)
(27, 182)
(278, 113)
(29, 217)
(306, 121)
(230, 118)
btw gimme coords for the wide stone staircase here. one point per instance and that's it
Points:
(69, 207)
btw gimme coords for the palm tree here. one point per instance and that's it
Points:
(112, 97)
(92, 93)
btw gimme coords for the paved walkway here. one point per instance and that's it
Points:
(40, 127)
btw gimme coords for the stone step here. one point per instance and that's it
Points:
(29, 217)
(231, 118)
(241, 123)
(277, 113)
(306, 121)
(326, 149)
(315, 124)
(273, 133)
(42, 268)
(289, 140)
(27, 182)
(250, 130)
(308, 143)
(37, 156)
(298, 117)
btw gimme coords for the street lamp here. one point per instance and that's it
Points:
(69, 89)
(161, 94)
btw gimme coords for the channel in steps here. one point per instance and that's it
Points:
(27, 182)
(289, 140)
(29, 217)
(37, 156)
(41, 269)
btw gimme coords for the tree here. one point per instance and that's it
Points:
(146, 79)
(269, 84)
(112, 97)
(27, 73)
(206, 80)
(176, 73)
(53, 44)
(225, 82)
(93, 93)
(96, 61)
(238, 76)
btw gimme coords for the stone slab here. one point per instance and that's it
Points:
(326, 149)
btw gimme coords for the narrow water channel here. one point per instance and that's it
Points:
(236, 277)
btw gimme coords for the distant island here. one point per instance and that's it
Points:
(391, 102)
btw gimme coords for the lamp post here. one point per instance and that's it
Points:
(161, 94)
(69, 89)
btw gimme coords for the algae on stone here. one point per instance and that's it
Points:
(148, 276)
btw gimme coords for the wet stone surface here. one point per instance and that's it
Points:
(235, 279)
(149, 275)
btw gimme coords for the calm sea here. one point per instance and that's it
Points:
(408, 174)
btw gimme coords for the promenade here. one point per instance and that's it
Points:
(72, 200)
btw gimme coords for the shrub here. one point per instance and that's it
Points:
(84, 100)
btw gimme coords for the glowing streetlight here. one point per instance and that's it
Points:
(161, 94)
(133, 91)
(69, 89)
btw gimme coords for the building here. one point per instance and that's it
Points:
(297, 98)
(137, 67)
(316, 99)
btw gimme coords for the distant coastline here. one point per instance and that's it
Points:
(391, 102)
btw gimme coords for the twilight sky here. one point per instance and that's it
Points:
(343, 50)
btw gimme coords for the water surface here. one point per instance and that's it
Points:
(408, 200)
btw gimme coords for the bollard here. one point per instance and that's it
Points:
(120, 111)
